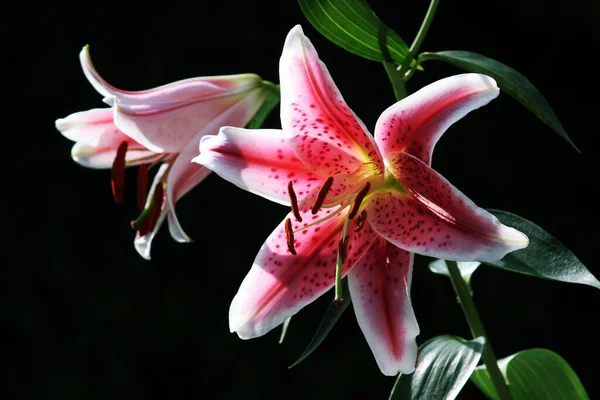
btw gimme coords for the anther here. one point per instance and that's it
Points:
(360, 221)
(294, 202)
(343, 249)
(322, 194)
(117, 173)
(142, 186)
(289, 234)
(358, 200)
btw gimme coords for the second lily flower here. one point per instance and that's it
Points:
(361, 205)
(163, 126)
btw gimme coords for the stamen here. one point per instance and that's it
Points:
(294, 202)
(343, 249)
(149, 217)
(358, 200)
(322, 194)
(331, 215)
(360, 221)
(142, 186)
(289, 234)
(117, 173)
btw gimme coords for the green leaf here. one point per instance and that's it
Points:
(538, 374)
(509, 80)
(445, 365)
(466, 269)
(545, 257)
(333, 314)
(352, 25)
(269, 104)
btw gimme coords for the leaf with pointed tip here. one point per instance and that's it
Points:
(466, 269)
(271, 101)
(444, 366)
(509, 80)
(352, 25)
(534, 374)
(545, 257)
(333, 314)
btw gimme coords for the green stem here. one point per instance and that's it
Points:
(416, 44)
(477, 330)
(339, 290)
(396, 79)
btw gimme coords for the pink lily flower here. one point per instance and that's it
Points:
(369, 203)
(161, 126)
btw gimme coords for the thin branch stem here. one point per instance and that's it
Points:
(396, 79)
(477, 330)
(416, 44)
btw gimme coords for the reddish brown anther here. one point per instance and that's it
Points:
(117, 173)
(294, 202)
(343, 249)
(289, 234)
(322, 194)
(358, 200)
(360, 221)
(142, 186)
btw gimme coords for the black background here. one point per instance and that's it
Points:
(87, 318)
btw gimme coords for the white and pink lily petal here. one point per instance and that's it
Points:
(97, 140)
(380, 290)
(323, 131)
(415, 123)
(166, 118)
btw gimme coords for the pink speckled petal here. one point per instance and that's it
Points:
(325, 134)
(415, 123)
(257, 160)
(98, 138)
(380, 289)
(434, 218)
(279, 284)
(185, 174)
(166, 118)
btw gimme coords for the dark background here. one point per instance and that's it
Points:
(87, 318)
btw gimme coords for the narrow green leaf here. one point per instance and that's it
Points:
(333, 314)
(444, 366)
(270, 103)
(545, 257)
(352, 25)
(466, 269)
(534, 374)
(509, 80)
